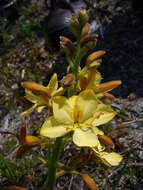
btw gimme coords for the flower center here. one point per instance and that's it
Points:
(76, 125)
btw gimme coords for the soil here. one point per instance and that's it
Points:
(123, 43)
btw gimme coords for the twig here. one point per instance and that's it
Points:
(126, 124)
(69, 188)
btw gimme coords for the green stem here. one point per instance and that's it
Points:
(77, 59)
(50, 184)
(76, 66)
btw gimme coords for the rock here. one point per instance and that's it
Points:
(55, 28)
(11, 122)
(7, 8)
(137, 107)
(131, 97)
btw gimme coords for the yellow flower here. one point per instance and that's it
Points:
(43, 95)
(80, 114)
(88, 78)
(109, 159)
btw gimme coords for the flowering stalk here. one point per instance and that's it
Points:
(50, 184)
(77, 60)
(81, 111)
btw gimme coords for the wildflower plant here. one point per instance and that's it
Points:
(78, 107)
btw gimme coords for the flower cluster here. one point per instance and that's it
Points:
(84, 110)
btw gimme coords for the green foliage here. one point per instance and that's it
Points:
(7, 169)
(9, 145)
(26, 29)
(4, 31)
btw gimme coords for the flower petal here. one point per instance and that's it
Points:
(97, 131)
(85, 138)
(63, 109)
(86, 104)
(30, 96)
(22, 133)
(52, 129)
(94, 78)
(40, 108)
(53, 83)
(37, 99)
(30, 110)
(103, 114)
(32, 141)
(58, 92)
(111, 159)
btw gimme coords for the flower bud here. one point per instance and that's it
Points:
(85, 30)
(105, 139)
(87, 39)
(74, 25)
(95, 63)
(67, 43)
(36, 87)
(109, 96)
(83, 17)
(68, 80)
(94, 56)
(107, 86)
(83, 82)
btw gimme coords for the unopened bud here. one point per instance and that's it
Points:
(95, 63)
(74, 25)
(85, 30)
(87, 39)
(83, 82)
(94, 56)
(22, 133)
(105, 139)
(109, 96)
(67, 43)
(68, 80)
(107, 86)
(83, 17)
(36, 87)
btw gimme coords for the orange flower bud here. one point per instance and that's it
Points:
(96, 63)
(22, 133)
(96, 55)
(89, 181)
(67, 80)
(66, 42)
(85, 30)
(88, 38)
(105, 139)
(36, 87)
(109, 96)
(83, 83)
(107, 86)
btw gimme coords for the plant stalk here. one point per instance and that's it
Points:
(76, 66)
(77, 60)
(50, 184)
